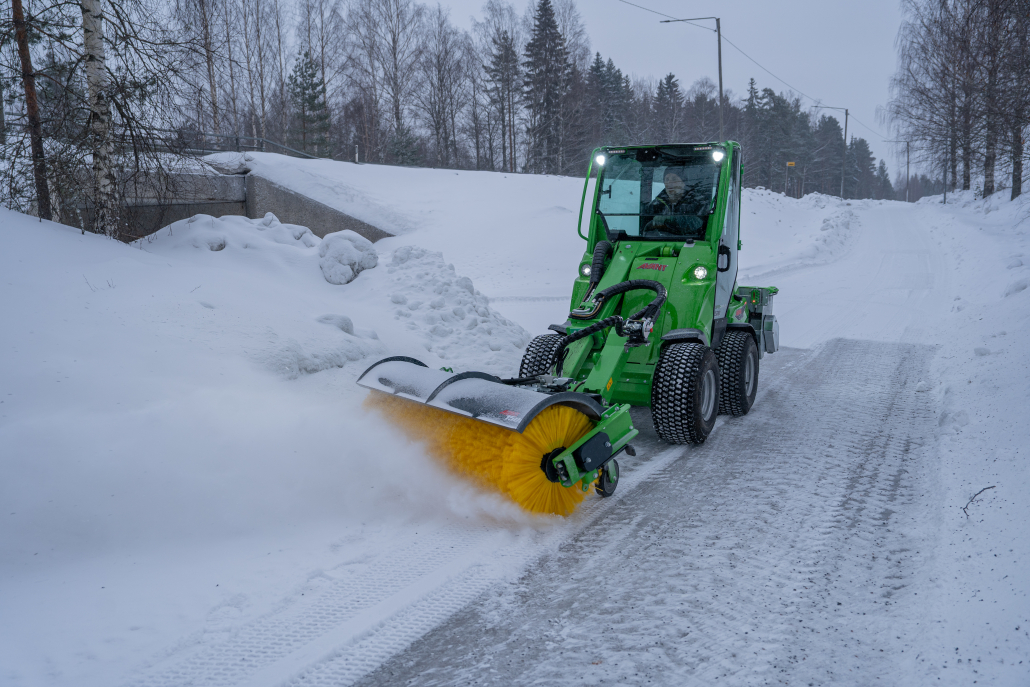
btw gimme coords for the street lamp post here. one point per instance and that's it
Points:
(718, 31)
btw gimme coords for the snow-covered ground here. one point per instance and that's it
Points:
(188, 479)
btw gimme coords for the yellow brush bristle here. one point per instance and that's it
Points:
(523, 480)
(491, 456)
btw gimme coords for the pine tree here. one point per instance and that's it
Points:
(547, 85)
(308, 98)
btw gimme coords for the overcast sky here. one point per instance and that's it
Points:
(841, 53)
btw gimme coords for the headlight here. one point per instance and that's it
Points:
(600, 160)
(718, 155)
(585, 270)
(700, 272)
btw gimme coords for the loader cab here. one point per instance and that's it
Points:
(666, 193)
(635, 203)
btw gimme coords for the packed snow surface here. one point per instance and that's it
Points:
(193, 494)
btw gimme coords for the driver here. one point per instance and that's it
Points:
(674, 210)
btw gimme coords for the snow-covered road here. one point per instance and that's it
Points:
(782, 551)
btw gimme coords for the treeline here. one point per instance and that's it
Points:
(95, 94)
(962, 90)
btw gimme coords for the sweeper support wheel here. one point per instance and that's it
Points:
(685, 393)
(608, 479)
(738, 372)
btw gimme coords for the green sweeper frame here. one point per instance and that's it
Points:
(656, 317)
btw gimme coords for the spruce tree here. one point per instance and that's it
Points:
(308, 98)
(504, 72)
(547, 83)
(668, 109)
(884, 188)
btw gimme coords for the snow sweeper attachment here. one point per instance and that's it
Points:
(656, 319)
(530, 439)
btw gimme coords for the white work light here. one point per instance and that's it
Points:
(600, 160)
(718, 155)
(585, 270)
(700, 272)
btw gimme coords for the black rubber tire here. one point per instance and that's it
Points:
(681, 411)
(605, 484)
(738, 372)
(537, 358)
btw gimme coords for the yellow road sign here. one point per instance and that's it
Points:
(790, 164)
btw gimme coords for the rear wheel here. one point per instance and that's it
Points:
(537, 358)
(738, 372)
(685, 393)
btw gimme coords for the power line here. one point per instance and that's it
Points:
(759, 64)
(769, 72)
(667, 16)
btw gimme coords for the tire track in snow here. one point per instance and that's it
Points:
(778, 552)
(363, 616)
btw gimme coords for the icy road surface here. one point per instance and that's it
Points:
(782, 551)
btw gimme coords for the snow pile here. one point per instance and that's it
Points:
(445, 311)
(215, 233)
(527, 221)
(834, 235)
(284, 257)
(344, 255)
(780, 234)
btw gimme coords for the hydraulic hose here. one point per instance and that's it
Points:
(650, 311)
(559, 354)
(601, 252)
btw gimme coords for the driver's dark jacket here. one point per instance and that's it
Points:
(683, 217)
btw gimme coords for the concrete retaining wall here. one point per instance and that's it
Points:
(293, 208)
(185, 195)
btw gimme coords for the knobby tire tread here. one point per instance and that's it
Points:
(537, 358)
(674, 393)
(730, 354)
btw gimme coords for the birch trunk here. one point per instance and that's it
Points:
(105, 221)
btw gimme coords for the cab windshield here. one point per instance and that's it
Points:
(658, 194)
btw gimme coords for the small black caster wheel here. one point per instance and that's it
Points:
(608, 479)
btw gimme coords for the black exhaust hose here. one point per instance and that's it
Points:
(601, 252)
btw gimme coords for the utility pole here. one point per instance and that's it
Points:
(844, 158)
(718, 32)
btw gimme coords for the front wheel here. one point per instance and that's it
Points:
(685, 393)
(539, 353)
(738, 372)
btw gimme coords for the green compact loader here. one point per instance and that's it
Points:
(656, 319)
